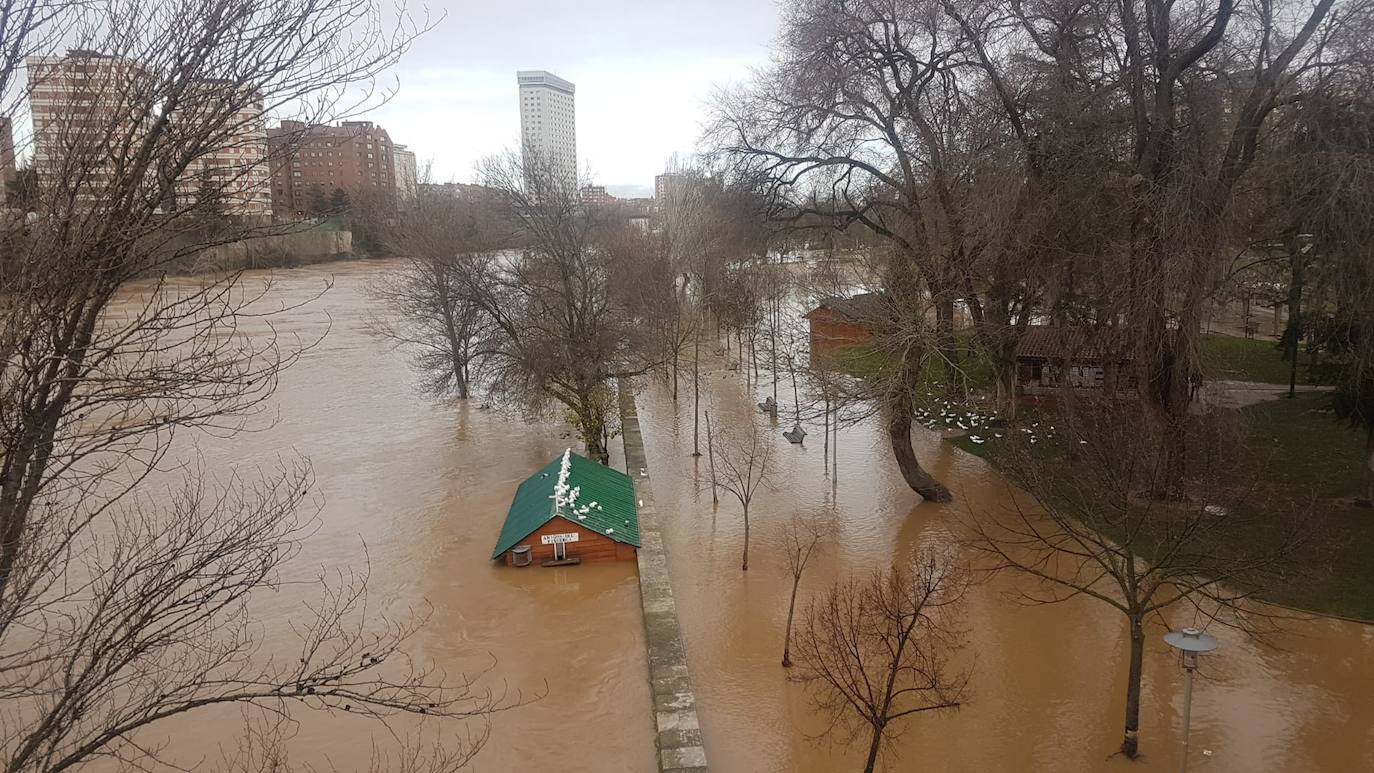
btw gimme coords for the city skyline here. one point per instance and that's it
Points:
(643, 72)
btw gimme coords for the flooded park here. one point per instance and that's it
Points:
(417, 490)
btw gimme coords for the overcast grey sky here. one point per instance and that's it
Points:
(643, 70)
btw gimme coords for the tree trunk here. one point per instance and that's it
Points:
(745, 566)
(1369, 449)
(949, 349)
(787, 636)
(696, 394)
(1294, 322)
(711, 455)
(874, 747)
(899, 433)
(773, 351)
(826, 443)
(594, 436)
(1130, 745)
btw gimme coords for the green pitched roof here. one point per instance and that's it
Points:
(602, 499)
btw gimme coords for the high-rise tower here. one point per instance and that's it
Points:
(548, 125)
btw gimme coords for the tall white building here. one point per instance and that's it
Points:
(548, 121)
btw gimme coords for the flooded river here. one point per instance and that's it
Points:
(1048, 685)
(421, 487)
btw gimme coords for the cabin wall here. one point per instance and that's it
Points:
(590, 546)
(1037, 376)
(832, 332)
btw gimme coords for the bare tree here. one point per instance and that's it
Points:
(559, 335)
(123, 604)
(873, 652)
(801, 539)
(1098, 532)
(428, 312)
(743, 461)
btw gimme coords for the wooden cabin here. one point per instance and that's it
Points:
(1051, 358)
(573, 510)
(840, 323)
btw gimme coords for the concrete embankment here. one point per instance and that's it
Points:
(680, 745)
(286, 250)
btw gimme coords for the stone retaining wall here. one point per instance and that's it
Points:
(680, 746)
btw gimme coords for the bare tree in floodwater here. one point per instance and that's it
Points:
(744, 457)
(124, 605)
(426, 311)
(559, 334)
(1097, 531)
(801, 539)
(875, 651)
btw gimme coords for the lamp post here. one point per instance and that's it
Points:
(1190, 642)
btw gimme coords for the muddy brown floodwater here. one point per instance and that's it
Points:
(1048, 685)
(421, 487)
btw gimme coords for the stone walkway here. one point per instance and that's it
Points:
(680, 748)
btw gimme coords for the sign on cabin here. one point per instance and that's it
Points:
(558, 539)
(1080, 376)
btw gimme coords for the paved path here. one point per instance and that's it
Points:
(680, 748)
(1239, 394)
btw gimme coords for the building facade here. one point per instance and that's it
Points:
(839, 324)
(234, 171)
(311, 164)
(81, 121)
(668, 186)
(7, 169)
(403, 159)
(596, 196)
(548, 120)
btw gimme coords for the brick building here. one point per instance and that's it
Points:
(841, 323)
(310, 162)
(596, 196)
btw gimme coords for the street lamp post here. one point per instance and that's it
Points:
(1190, 642)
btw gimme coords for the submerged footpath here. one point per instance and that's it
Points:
(680, 746)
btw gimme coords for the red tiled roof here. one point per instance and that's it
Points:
(861, 307)
(1045, 342)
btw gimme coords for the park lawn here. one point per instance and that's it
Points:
(1246, 359)
(977, 371)
(1297, 452)
(1300, 447)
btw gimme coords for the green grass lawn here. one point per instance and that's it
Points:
(1246, 359)
(1295, 455)
(1300, 448)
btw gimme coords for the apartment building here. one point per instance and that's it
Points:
(404, 162)
(309, 163)
(81, 119)
(596, 196)
(235, 170)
